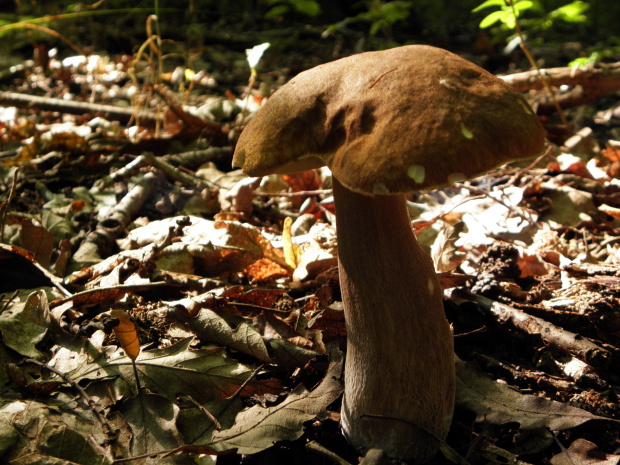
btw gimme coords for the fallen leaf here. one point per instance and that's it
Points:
(25, 324)
(444, 252)
(583, 452)
(126, 333)
(203, 374)
(38, 240)
(500, 404)
(152, 419)
(259, 428)
(210, 326)
(291, 251)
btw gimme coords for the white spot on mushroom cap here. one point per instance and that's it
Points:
(445, 83)
(431, 286)
(380, 189)
(466, 132)
(239, 159)
(417, 173)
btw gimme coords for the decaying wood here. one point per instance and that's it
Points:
(587, 84)
(560, 338)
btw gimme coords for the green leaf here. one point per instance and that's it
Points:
(586, 61)
(376, 27)
(523, 6)
(307, 7)
(393, 12)
(277, 11)
(490, 20)
(489, 3)
(572, 13)
(289, 355)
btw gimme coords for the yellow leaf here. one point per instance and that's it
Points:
(291, 251)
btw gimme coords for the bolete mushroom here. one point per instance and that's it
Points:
(388, 123)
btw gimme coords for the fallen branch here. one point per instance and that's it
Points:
(588, 84)
(122, 115)
(560, 338)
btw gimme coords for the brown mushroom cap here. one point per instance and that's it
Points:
(389, 122)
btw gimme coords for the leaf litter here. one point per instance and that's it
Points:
(234, 343)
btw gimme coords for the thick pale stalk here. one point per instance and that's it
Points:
(399, 372)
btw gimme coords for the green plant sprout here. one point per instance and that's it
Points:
(309, 8)
(381, 16)
(507, 13)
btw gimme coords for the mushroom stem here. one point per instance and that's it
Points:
(399, 372)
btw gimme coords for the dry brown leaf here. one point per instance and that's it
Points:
(444, 252)
(583, 452)
(37, 240)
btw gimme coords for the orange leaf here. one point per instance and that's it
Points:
(303, 180)
(611, 153)
(126, 333)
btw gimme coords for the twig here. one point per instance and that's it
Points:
(328, 454)
(588, 83)
(572, 343)
(294, 194)
(122, 115)
(245, 383)
(175, 173)
(9, 300)
(602, 76)
(81, 297)
(205, 412)
(511, 208)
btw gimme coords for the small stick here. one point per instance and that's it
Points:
(556, 336)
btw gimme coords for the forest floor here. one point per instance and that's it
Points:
(157, 306)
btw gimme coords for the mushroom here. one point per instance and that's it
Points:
(388, 123)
